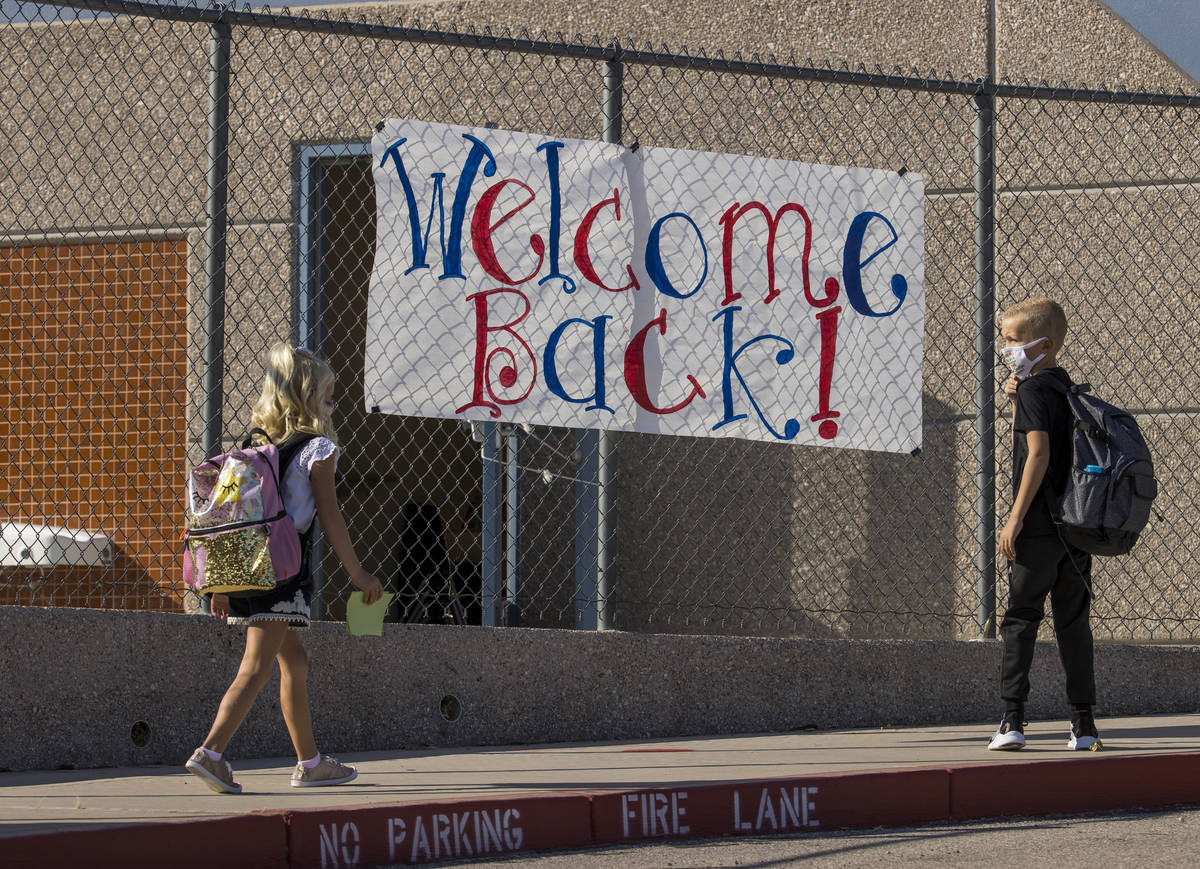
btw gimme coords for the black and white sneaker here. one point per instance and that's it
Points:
(1010, 735)
(1084, 736)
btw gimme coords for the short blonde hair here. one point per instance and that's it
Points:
(1034, 318)
(293, 394)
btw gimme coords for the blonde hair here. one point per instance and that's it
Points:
(1037, 317)
(293, 395)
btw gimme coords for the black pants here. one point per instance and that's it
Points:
(1044, 566)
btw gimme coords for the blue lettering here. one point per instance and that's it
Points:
(791, 427)
(654, 262)
(452, 246)
(551, 149)
(852, 266)
(550, 365)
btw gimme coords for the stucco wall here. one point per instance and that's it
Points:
(866, 544)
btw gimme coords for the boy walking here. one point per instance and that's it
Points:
(1042, 564)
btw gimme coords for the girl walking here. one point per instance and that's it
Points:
(295, 410)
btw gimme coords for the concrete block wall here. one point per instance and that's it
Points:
(86, 689)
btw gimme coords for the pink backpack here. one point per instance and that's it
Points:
(239, 539)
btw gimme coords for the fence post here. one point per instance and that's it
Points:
(512, 555)
(593, 447)
(587, 508)
(614, 86)
(492, 512)
(985, 350)
(214, 233)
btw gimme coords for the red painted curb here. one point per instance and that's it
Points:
(260, 841)
(828, 801)
(1091, 783)
(417, 833)
(331, 838)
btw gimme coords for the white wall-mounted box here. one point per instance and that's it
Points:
(24, 544)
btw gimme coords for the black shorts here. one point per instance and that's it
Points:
(290, 602)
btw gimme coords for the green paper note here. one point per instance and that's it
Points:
(363, 620)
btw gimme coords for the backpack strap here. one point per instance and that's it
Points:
(1071, 393)
(249, 439)
(1067, 389)
(290, 447)
(288, 450)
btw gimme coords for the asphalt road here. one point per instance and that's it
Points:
(1147, 840)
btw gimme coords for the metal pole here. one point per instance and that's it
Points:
(985, 341)
(512, 494)
(594, 447)
(301, 23)
(214, 233)
(492, 512)
(587, 451)
(614, 74)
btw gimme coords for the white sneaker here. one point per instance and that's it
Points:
(1010, 735)
(1084, 736)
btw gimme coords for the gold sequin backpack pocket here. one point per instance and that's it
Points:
(239, 539)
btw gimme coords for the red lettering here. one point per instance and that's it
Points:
(583, 256)
(828, 319)
(732, 216)
(509, 374)
(832, 289)
(635, 370)
(482, 228)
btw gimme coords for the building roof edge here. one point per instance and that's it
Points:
(1149, 43)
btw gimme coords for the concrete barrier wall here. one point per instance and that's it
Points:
(80, 685)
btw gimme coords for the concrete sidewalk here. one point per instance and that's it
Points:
(415, 805)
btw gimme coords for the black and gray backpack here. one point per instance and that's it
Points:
(1111, 486)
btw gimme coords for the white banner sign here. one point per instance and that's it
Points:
(575, 283)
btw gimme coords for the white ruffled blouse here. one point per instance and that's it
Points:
(297, 488)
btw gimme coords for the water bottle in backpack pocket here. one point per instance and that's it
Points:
(1111, 488)
(239, 539)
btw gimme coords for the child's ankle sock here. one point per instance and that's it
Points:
(311, 762)
(212, 755)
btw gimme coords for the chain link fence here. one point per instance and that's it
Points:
(182, 186)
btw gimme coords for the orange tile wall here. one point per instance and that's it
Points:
(92, 362)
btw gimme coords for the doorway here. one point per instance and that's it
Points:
(410, 488)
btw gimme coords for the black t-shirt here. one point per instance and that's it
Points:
(1041, 408)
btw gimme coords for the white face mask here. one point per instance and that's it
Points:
(1018, 360)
